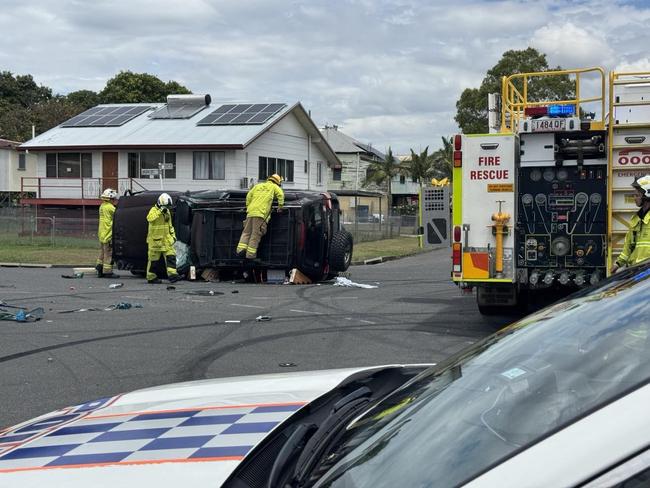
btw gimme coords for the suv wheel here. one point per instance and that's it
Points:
(340, 251)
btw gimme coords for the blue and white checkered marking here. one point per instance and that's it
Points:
(191, 435)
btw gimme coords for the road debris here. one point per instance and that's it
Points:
(298, 278)
(341, 281)
(232, 321)
(263, 318)
(91, 309)
(204, 293)
(116, 285)
(287, 365)
(73, 276)
(171, 287)
(122, 306)
(23, 316)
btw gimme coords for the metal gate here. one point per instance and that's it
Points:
(436, 216)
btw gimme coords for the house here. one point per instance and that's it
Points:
(405, 189)
(13, 166)
(189, 143)
(348, 179)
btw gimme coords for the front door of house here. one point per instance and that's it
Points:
(109, 171)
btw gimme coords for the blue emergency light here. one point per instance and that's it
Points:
(561, 110)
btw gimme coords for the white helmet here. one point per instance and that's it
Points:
(109, 194)
(643, 183)
(164, 200)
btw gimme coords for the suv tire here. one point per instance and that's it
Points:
(341, 251)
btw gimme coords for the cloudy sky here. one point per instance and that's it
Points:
(387, 72)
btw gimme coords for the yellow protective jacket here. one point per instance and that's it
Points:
(161, 235)
(637, 241)
(105, 230)
(260, 198)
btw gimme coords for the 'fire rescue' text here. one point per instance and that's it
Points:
(489, 174)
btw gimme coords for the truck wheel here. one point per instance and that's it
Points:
(340, 251)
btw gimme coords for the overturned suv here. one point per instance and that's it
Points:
(307, 235)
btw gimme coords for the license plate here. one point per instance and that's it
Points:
(548, 125)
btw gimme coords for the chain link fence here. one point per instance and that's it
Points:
(23, 226)
(378, 227)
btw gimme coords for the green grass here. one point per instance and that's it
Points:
(84, 251)
(400, 246)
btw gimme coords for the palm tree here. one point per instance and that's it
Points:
(382, 172)
(443, 159)
(421, 168)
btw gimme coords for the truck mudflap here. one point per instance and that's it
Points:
(493, 299)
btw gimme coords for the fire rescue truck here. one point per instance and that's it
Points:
(544, 200)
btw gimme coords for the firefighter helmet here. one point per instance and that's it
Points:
(642, 183)
(275, 178)
(109, 194)
(164, 201)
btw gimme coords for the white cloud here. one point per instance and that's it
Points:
(386, 71)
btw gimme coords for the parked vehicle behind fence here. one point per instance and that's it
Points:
(307, 235)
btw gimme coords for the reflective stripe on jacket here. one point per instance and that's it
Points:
(161, 235)
(637, 241)
(105, 230)
(260, 199)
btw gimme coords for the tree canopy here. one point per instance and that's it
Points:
(472, 106)
(382, 173)
(129, 87)
(24, 103)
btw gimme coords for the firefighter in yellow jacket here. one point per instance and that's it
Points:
(637, 240)
(258, 213)
(161, 238)
(105, 234)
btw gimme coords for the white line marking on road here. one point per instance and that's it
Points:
(367, 322)
(247, 306)
(348, 318)
(305, 311)
(347, 298)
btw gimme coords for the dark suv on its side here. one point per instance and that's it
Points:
(307, 235)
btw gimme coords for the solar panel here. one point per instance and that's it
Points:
(242, 114)
(106, 116)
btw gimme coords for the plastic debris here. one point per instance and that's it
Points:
(5, 304)
(204, 293)
(341, 281)
(79, 310)
(119, 306)
(22, 315)
(74, 276)
(287, 365)
(116, 285)
(263, 318)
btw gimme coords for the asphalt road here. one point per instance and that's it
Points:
(415, 315)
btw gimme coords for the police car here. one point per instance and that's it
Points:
(559, 398)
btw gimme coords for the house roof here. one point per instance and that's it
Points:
(344, 144)
(7, 144)
(145, 132)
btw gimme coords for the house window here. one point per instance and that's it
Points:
(268, 166)
(402, 179)
(21, 162)
(319, 173)
(209, 165)
(414, 179)
(68, 165)
(147, 164)
(336, 174)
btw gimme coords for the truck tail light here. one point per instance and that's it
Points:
(457, 233)
(458, 159)
(456, 257)
(457, 142)
(535, 111)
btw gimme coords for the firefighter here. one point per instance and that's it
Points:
(160, 239)
(105, 234)
(258, 213)
(637, 240)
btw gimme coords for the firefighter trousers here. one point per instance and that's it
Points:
(253, 231)
(168, 257)
(105, 258)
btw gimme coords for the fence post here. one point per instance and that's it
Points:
(32, 223)
(53, 229)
